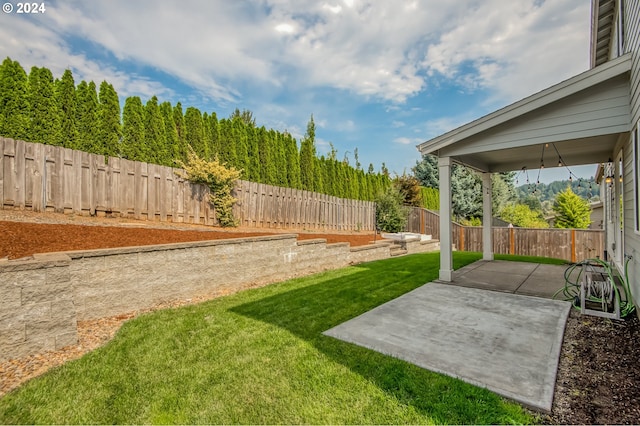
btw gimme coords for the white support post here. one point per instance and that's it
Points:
(487, 218)
(446, 247)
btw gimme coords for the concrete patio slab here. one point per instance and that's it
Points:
(544, 281)
(531, 279)
(507, 343)
(490, 280)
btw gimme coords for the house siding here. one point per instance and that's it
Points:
(631, 20)
(632, 44)
(598, 111)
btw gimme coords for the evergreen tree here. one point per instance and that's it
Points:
(180, 148)
(133, 145)
(341, 189)
(391, 215)
(572, 211)
(318, 176)
(357, 159)
(466, 187)
(170, 133)
(227, 143)
(246, 116)
(532, 201)
(307, 157)
(206, 134)
(242, 148)
(325, 172)
(502, 191)
(195, 131)
(265, 149)
(364, 186)
(254, 157)
(109, 129)
(280, 158)
(427, 171)
(214, 136)
(430, 198)
(154, 134)
(293, 162)
(384, 170)
(67, 106)
(44, 115)
(331, 185)
(466, 193)
(14, 103)
(87, 115)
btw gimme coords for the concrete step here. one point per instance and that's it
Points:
(397, 251)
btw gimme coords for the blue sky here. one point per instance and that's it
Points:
(380, 76)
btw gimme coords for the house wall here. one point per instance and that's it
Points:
(597, 217)
(631, 20)
(632, 44)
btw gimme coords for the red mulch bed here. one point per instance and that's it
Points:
(21, 239)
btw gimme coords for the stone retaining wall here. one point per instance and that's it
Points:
(43, 298)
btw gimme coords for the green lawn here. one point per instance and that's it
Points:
(259, 357)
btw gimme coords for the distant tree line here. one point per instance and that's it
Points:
(524, 206)
(38, 108)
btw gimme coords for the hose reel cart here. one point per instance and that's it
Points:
(595, 288)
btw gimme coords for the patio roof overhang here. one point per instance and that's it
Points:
(582, 116)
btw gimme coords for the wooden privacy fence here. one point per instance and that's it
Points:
(51, 178)
(569, 244)
(266, 206)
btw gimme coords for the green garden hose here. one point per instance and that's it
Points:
(571, 289)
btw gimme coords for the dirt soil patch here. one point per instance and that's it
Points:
(24, 233)
(598, 379)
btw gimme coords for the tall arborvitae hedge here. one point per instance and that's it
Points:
(133, 142)
(44, 114)
(37, 108)
(68, 105)
(14, 105)
(87, 115)
(109, 129)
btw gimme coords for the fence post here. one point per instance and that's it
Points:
(512, 241)
(573, 246)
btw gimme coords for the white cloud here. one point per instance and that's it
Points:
(408, 141)
(435, 127)
(513, 47)
(333, 9)
(44, 47)
(380, 50)
(285, 28)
